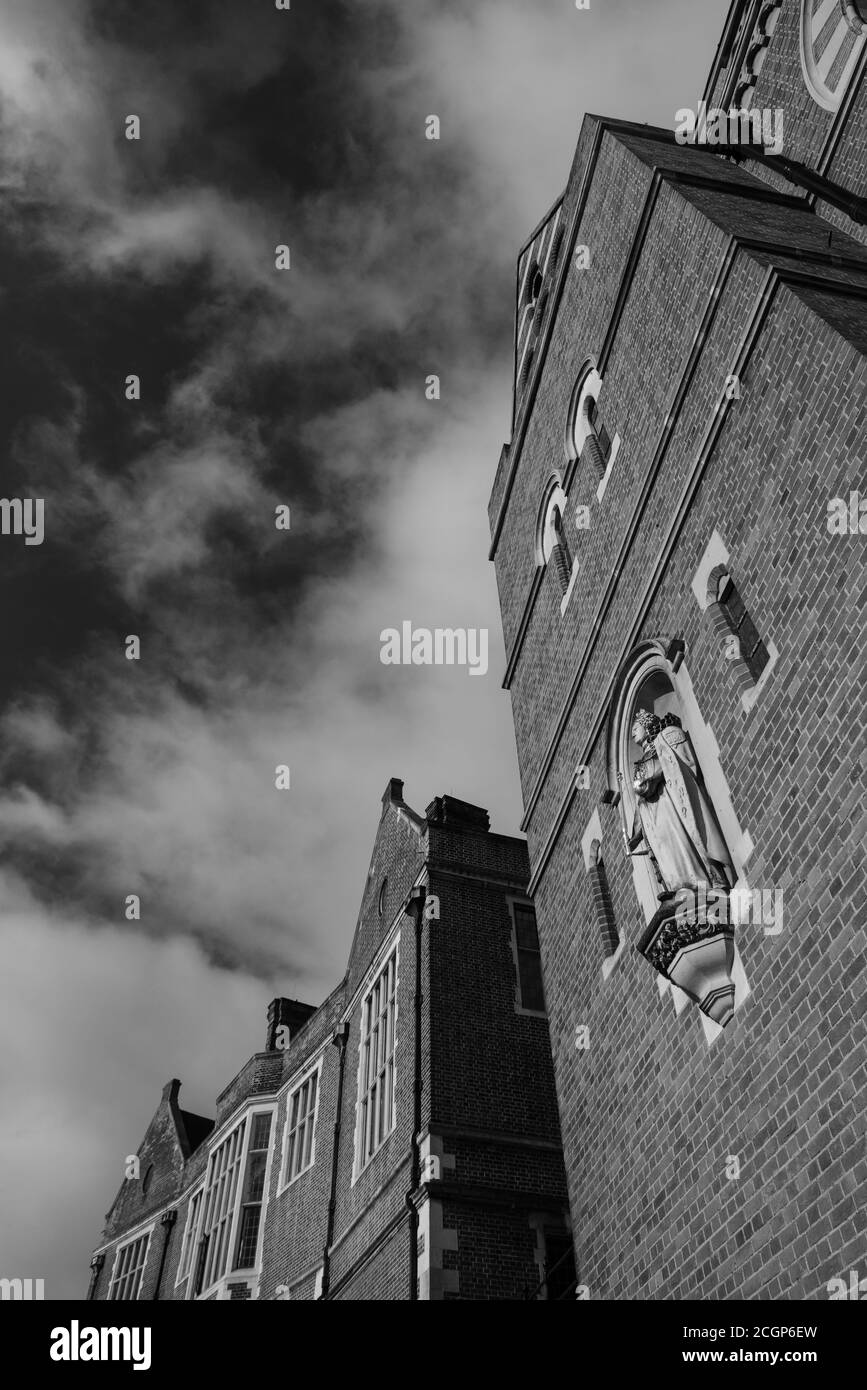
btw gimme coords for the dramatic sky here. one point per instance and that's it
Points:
(259, 388)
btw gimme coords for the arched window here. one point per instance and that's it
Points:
(559, 549)
(753, 651)
(732, 623)
(552, 546)
(833, 33)
(602, 904)
(586, 386)
(745, 88)
(769, 18)
(534, 286)
(597, 441)
(528, 363)
(586, 436)
(535, 302)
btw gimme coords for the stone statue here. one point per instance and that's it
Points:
(674, 816)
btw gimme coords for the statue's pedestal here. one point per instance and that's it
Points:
(696, 955)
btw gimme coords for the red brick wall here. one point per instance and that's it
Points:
(650, 1112)
(487, 1088)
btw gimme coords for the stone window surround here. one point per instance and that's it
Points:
(592, 834)
(714, 562)
(588, 385)
(554, 494)
(219, 1288)
(303, 1078)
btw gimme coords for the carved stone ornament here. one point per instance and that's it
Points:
(696, 953)
(676, 826)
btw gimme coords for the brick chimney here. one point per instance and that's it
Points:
(285, 1018)
(453, 814)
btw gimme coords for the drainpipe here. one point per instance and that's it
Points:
(415, 910)
(96, 1265)
(167, 1221)
(339, 1040)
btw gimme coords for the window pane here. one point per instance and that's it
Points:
(389, 1078)
(376, 1085)
(530, 969)
(128, 1270)
(759, 660)
(525, 928)
(383, 1113)
(559, 1265)
(219, 1201)
(248, 1238)
(734, 605)
(261, 1132)
(256, 1165)
(308, 1143)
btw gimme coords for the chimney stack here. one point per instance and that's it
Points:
(285, 1018)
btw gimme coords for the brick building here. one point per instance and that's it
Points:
(401, 1140)
(677, 529)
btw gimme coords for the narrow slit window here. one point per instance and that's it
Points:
(602, 904)
(531, 995)
(753, 651)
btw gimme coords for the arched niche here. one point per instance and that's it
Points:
(649, 678)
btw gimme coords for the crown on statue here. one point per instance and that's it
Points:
(652, 724)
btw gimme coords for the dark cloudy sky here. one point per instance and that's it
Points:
(306, 387)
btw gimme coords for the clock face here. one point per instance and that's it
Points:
(831, 44)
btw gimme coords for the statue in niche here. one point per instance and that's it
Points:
(673, 815)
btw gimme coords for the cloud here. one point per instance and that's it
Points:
(98, 1016)
(176, 799)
